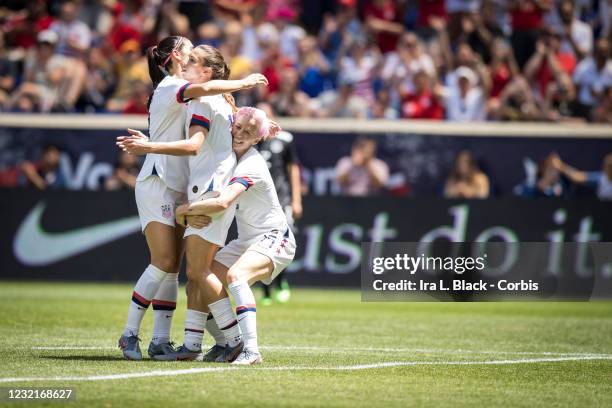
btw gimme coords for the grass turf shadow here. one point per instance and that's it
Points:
(85, 358)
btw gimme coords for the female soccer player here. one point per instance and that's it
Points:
(211, 165)
(265, 244)
(161, 185)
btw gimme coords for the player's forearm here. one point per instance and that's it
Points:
(214, 87)
(209, 206)
(178, 148)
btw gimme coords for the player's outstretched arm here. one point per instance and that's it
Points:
(215, 205)
(138, 144)
(216, 87)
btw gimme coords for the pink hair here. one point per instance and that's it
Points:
(261, 119)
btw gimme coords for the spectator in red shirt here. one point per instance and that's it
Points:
(422, 103)
(22, 27)
(382, 19)
(128, 25)
(426, 10)
(137, 104)
(549, 63)
(526, 18)
(511, 97)
(271, 62)
(503, 66)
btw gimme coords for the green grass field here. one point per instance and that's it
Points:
(324, 348)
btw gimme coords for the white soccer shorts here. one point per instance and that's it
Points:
(279, 246)
(157, 202)
(216, 231)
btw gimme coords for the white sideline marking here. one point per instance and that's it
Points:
(164, 373)
(432, 350)
(367, 349)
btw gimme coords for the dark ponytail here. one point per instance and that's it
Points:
(158, 58)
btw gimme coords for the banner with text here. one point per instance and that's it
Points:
(58, 235)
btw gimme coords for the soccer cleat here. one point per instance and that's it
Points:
(213, 353)
(162, 352)
(266, 301)
(230, 353)
(184, 354)
(130, 347)
(248, 357)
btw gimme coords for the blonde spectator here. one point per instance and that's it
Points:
(239, 64)
(466, 180)
(131, 69)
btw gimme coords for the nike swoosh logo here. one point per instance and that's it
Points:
(33, 246)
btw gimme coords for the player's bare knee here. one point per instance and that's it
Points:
(234, 275)
(166, 265)
(167, 261)
(195, 275)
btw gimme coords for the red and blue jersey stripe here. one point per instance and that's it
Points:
(244, 180)
(198, 120)
(180, 95)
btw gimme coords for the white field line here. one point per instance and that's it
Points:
(166, 373)
(345, 350)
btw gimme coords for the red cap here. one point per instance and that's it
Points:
(284, 13)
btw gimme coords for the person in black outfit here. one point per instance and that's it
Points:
(283, 163)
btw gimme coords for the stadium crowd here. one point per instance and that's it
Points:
(459, 60)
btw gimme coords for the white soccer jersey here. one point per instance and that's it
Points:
(258, 210)
(167, 124)
(212, 167)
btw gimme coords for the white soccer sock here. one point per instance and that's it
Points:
(213, 329)
(194, 329)
(246, 312)
(164, 304)
(146, 287)
(226, 321)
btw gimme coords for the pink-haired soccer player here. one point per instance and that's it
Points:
(161, 186)
(265, 244)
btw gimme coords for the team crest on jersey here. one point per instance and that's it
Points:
(167, 211)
